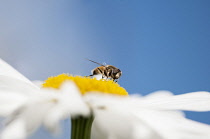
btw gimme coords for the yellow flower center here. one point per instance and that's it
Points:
(87, 84)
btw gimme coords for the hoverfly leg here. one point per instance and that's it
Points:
(89, 75)
(103, 77)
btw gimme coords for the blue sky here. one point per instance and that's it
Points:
(158, 44)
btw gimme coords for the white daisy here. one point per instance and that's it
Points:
(116, 115)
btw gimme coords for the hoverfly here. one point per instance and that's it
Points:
(107, 71)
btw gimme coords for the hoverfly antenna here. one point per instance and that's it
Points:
(95, 62)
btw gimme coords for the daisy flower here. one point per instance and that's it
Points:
(99, 109)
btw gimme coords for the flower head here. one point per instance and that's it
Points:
(156, 116)
(87, 84)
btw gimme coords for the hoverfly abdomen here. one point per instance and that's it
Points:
(96, 71)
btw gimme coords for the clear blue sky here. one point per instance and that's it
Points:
(158, 44)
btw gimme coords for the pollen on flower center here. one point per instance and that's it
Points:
(87, 84)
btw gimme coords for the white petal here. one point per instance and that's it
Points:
(171, 127)
(159, 94)
(109, 125)
(9, 102)
(14, 93)
(196, 101)
(14, 131)
(31, 114)
(72, 97)
(7, 70)
(114, 124)
(10, 84)
(70, 103)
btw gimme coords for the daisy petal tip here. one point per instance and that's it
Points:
(160, 94)
(69, 85)
(81, 111)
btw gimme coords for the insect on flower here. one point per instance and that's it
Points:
(107, 71)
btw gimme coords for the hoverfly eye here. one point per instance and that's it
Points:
(116, 71)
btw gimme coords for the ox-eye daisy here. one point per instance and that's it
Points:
(100, 104)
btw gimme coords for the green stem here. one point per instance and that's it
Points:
(81, 127)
